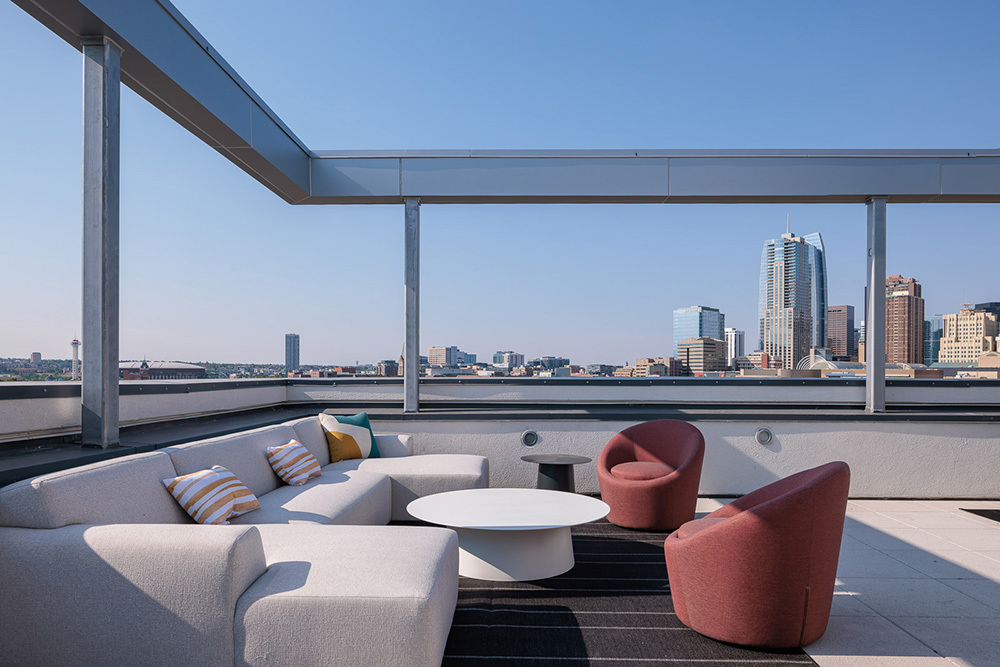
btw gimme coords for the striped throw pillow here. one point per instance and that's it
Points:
(210, 496)
(293, 463)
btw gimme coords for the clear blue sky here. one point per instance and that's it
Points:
(214, 267)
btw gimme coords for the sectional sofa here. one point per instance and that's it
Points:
(100, 565)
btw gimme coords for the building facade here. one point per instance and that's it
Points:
(291, 352)
(933, 330)
(698, 321)
(656, 366)
(904, 321)
(508, 359)
(792, 299)
(443, 356)
(840, 331)
(967, 335)
(702, 354)
(735, 346)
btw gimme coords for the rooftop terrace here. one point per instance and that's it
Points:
(919, 577)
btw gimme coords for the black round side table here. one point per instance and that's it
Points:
(555, 471)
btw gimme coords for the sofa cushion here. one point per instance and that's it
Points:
(244, 454)
(337, 497)
(312, 436)
(350, 595)
(349, 437)
(122, 490)
(293, 463)
(417, 476)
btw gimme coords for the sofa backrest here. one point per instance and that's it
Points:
(122, 490)
(310, 434)
(243, 454)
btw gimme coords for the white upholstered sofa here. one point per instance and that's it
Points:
(100, 566)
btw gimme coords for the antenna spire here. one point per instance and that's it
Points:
(788, 229)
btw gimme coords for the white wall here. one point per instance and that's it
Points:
(887, 459)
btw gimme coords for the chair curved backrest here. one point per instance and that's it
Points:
(663, 503)
(771, 554)
(671, 441)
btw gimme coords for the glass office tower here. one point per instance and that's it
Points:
(793, 297)
(697, 322)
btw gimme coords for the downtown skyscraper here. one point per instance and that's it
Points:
(793, 296)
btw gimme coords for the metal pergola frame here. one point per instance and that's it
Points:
(151, 47)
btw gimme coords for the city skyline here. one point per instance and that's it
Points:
(216, 248)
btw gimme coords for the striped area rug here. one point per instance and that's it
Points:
(612, 609)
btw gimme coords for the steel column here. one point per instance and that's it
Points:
(101, 107)
(411, 308)
(875, 308)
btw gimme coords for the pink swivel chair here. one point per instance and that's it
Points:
(649, 474)
(760, 571)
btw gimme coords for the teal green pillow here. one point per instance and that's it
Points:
(349, 437)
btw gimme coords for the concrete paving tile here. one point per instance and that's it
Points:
(977, 540)
(845, 604)
(965, 641)
(873, 563)
(939, 519)
(878, 520)
(872, 641)
(986, 591)
(961, 564)
(899, 538)
(847, 542)
(892, 505)
(916, 597)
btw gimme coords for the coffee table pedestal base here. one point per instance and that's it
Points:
(514, 555)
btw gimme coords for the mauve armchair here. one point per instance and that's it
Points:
(760, 571)
(649, 474)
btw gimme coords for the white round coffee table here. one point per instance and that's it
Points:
(510, 534)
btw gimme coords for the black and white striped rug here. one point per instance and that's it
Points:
(612, 609)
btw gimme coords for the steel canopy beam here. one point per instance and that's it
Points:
(171, 65)
(652, 177)
(167, 62)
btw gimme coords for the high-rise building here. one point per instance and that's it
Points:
(291, 352)
(36, 357)
(698, 321)
(735, 345)
(387, 368)
(904, 321)
(75, 370)
(933, 330)
(701, 354)
(792, 302)
(967, 335)
(840, 331)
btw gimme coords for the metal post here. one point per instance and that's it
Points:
(875, 306)
(411, 308)
(101, 108)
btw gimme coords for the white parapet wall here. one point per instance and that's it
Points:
(937, 451)
(887, 459)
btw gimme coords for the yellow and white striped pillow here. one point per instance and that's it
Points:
(212, 496)
(293, 463)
